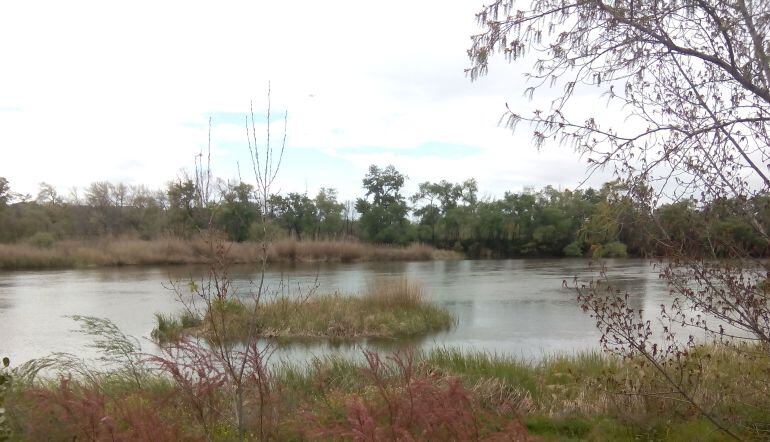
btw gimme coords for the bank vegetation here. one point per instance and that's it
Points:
(171, 251)
(436, 395)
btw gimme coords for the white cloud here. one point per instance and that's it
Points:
(99, 90)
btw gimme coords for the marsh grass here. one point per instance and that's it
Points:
(562, 398)
(387, 309)
(171, 327)
(122, 251)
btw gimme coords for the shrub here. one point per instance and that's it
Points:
(70, 410)
(406, 403)
(42, 240)
(573, 249)
(615, 249)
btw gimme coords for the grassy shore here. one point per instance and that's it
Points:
(438, 395)
(117, 252)
(387, 309)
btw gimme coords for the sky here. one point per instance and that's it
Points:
(93, 91)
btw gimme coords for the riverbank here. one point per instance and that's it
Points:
(171, 251)
(386, 309)
(439, 395)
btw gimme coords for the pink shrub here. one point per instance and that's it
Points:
(410, 405)
(70, 411)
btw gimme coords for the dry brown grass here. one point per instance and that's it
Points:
(345, 251)
(388, 308)
(394, 292)
(120, 251)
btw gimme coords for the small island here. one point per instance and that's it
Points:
(386, 309)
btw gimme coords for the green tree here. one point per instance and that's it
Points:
(329, 213)
(237, 210)
(383, 210)
(295, 212)
(437, 198)
(182, 197)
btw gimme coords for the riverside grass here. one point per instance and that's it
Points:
(120, 251)
(387, 309)
(560, 398)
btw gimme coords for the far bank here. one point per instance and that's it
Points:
(106, 252)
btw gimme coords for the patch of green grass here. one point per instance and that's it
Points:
(169, 328)
(569, 428)
(475, 366)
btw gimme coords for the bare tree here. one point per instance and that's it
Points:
(225, 357)
(691, 80)
(47, 194)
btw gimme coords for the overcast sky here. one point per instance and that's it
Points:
(123, 92)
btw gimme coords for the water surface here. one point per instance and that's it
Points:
(515, 307)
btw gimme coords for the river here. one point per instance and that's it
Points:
(514, 307)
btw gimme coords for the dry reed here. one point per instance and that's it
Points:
(120, 251)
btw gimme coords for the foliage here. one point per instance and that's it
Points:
(383, 218)
(237, 210)
(296, 213)
(446, 215)
(589, 396)
(388, 309)
(73, 411)
(408, 405)
(691, 82)
(615, 249)
(116, 348)
(574, 249)
(42, 240)
(170, 328)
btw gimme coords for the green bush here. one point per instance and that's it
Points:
(273, 230)
(573, 249)
(42, 240)
(615, 249)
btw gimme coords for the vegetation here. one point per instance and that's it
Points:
(387, 309)
(690, 82)
(119, 252)
(693, 79)
(444, 393)
(383, 219)
(118, 225)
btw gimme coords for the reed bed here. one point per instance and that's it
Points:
(386, 309)
(163, 251)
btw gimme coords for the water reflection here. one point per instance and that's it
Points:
(515, 307)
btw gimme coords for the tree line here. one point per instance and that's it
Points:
(611, 221)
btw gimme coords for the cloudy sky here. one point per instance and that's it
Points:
(123, 92)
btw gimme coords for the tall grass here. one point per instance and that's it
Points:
(171, 328)
(475, 395)
(387, 309)
(121, 251)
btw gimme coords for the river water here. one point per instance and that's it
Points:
(514, 307)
